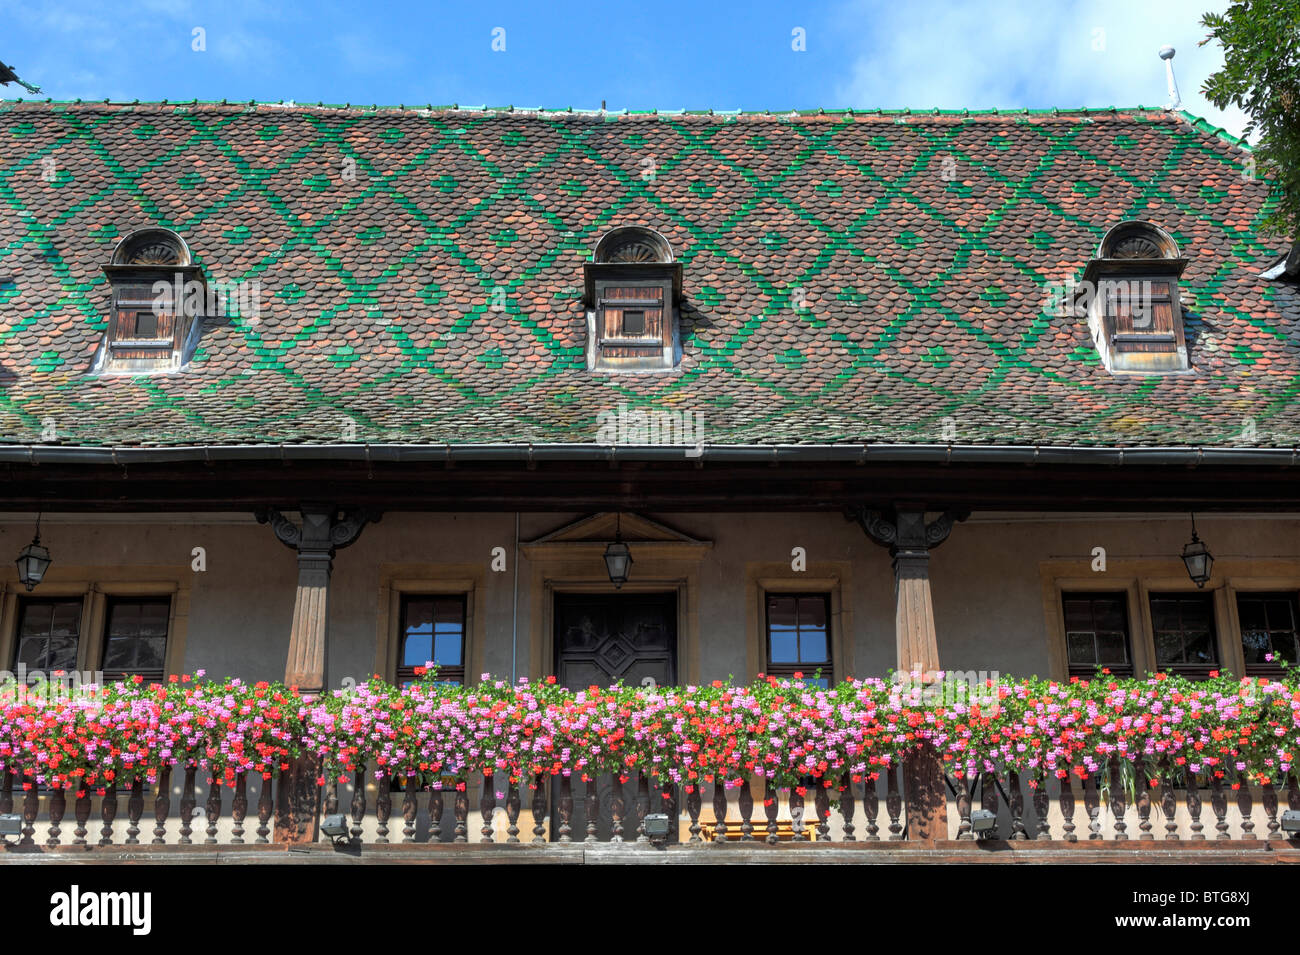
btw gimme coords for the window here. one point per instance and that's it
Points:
(1134, 311)
(153, 284)
(633, 285)
(1183, 626)
(799, 637)
(1142, 310)
(1268, 626)
(432, 629)
(1097, 633)
(48, 634)
(135, 638)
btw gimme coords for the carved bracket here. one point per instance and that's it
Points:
(905, 528)
(321, 530)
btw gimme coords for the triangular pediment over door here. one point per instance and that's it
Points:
(648, 537)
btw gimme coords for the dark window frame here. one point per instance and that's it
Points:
(1120, 597)
(1289, 597)
(807, 667)
(1194, 670)
(24, 603)
(446, 674)
(149, 674)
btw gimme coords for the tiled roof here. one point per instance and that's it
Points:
(920, 243)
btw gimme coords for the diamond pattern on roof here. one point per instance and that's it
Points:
(846, 277)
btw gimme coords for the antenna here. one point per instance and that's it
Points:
(1167, 54)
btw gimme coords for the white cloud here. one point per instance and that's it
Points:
(1018, 53)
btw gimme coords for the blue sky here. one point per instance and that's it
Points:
(666, 55)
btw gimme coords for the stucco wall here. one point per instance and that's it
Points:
(987, 587)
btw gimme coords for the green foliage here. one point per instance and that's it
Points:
(1261, 76)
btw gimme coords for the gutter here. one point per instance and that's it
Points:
(530, 454)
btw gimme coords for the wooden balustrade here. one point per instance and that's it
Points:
(1119, 806)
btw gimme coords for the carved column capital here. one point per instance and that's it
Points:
(322, 531)
(904, 529)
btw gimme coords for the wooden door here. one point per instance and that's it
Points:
(600, 639)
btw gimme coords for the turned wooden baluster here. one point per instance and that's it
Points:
(358, 805)
(618, 808)
(642, 807)
(513, 806)
(332, 797)
(487, 806)
(719, 811)
(539, 809)
(1194, 808)
(31, 804)
(1016, 803)
(1092, 805)
(964, 832)
(81, 812)
(1118, 805)
(212, 808)
(162, 805)
(239, 809)
(1245, 806)
(745, 799)
(1219, 803)
(460, 809)
(410, 808)
(1292, 793)
(847, 807)
(797, 833)
(1169, 804)
(134, 810)
(437, 806)
(265, 806)
(1143, 800)
(894, 804)
(7, 793)
(989, 794)
(188, 802)
(1042, 805)
(566, 809)
(107, 813)
(592, 809)
(1270, 812)
(58, 806)
(383, 808)
(770, 810)
(668, 806)
(871, 807)
(1066, 799)
(693, 806)
(822, 804)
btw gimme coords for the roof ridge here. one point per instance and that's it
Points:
(1205, 126)
(652, 112)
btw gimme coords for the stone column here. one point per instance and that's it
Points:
(909, 539)
(322, 532)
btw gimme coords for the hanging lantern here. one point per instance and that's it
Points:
(33, 561)
(1197, 558)
(618, 559)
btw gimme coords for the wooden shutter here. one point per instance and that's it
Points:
(1143, 313)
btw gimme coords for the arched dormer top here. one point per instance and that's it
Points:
(632, 245)
(1137, 239)
(152, 247)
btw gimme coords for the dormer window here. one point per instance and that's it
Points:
(1133, 307)
(632, 288)
(156, 296)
